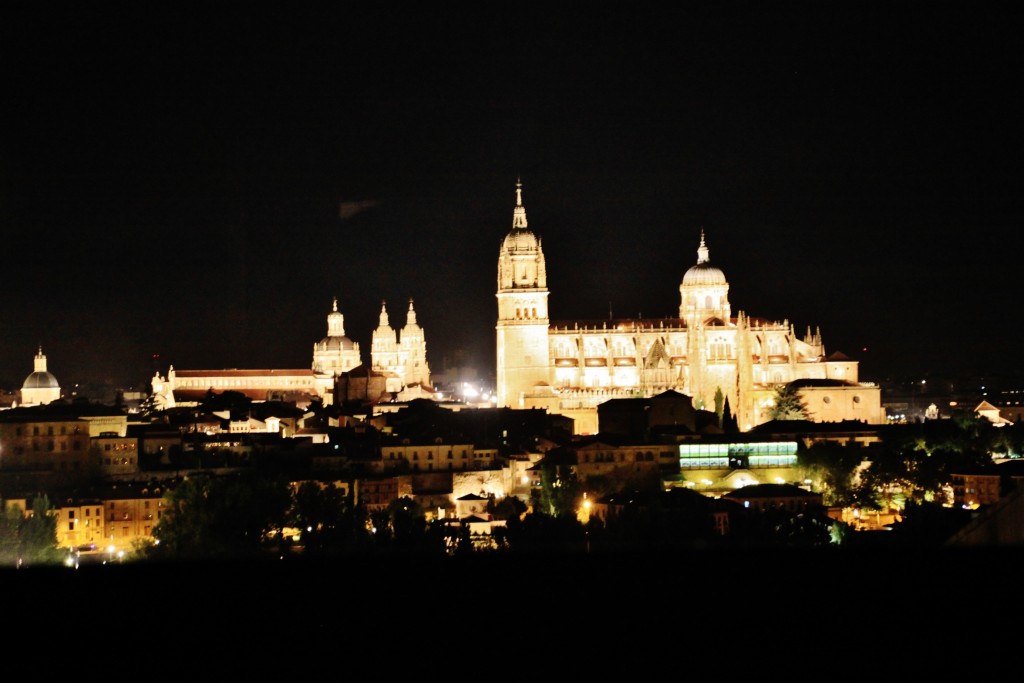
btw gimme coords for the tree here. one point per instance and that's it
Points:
(38, 534)
(325, 517)
(222, 517)
(506, 508)
(10, 544)
(560, 489)
(834, 465)
(540, 532)
(788, 404)
(235, 402)
(720, 406)
(729, 423)
(150, 406)
(407, 520)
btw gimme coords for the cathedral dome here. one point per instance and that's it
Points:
(40, 379)
(520, 240)
(704, 274)
(40, 387)
(336, 343)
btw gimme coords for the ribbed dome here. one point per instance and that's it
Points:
(40, 380)
(336, 344)
(520, 240)
(704, 274)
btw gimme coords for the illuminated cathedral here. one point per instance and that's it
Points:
(569, 367)
(398, 369)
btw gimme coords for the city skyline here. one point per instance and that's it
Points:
(201, 192)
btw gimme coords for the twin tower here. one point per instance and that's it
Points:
(400, 357)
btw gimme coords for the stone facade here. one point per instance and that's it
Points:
(570, 367)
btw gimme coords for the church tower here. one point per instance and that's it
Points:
(522, 329)
(384, 356)
(413, 346)
(335, 354)
(401, 357)
(704, 306)
(704, 291)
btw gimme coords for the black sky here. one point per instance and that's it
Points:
(172, 182)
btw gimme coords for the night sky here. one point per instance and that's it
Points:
(193, 189)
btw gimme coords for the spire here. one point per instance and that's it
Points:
(411, 317)
(519, 213)
(703, 256)
(40, 361)
(383, 315)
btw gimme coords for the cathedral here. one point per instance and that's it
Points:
(569, 367)
(398, 369)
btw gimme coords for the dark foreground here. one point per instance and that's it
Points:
(917, 606)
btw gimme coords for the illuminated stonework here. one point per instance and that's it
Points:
(335, 353)
(402, 365)
(570, 367)
(40, 387)
(401, 357)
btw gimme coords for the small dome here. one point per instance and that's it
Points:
(40, 380)
(704, 274)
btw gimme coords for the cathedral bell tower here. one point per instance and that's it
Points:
(522, 348)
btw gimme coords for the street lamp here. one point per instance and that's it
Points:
(585, 514)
